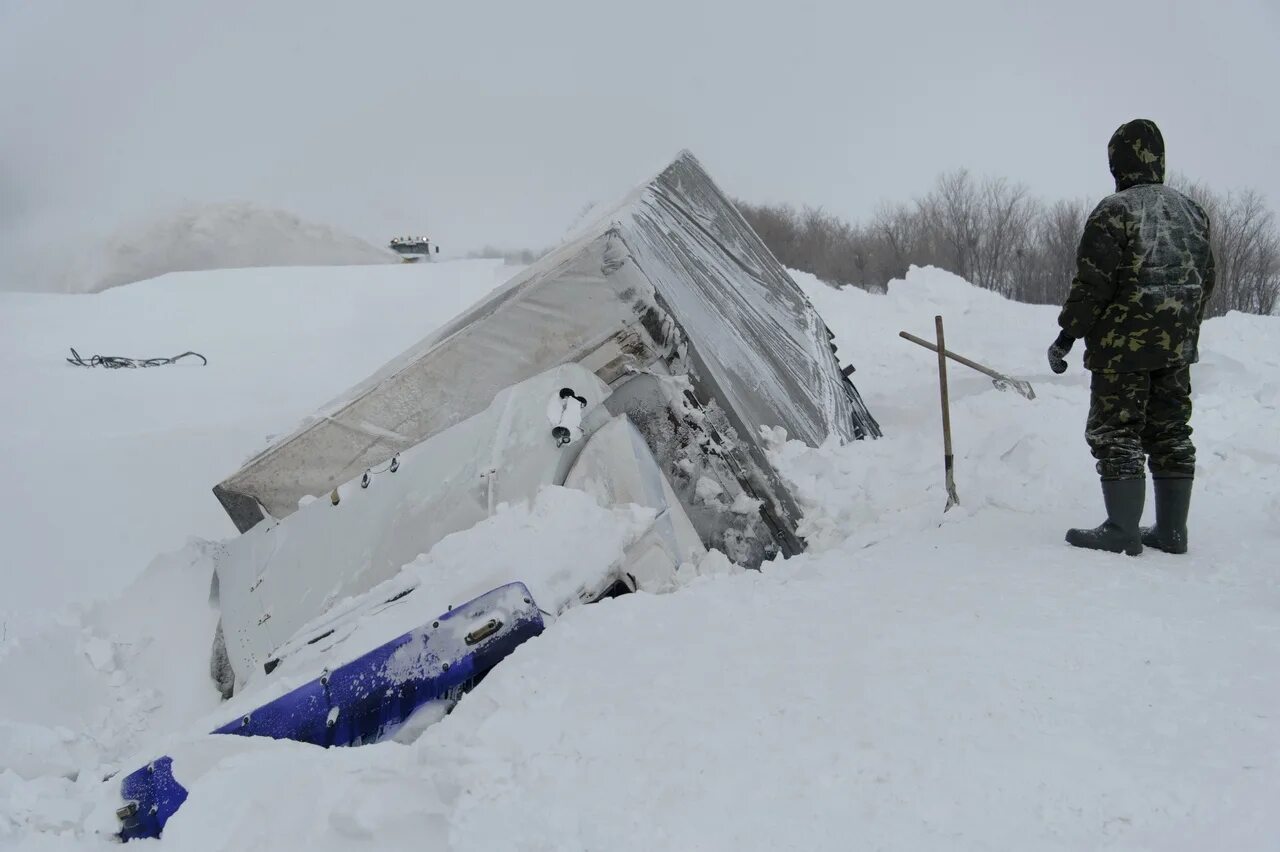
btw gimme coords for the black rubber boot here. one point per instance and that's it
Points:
(1173, 501)
(1119, 533)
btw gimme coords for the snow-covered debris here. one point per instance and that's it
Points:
(215, 236)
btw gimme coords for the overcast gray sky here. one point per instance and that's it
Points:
(497, 122)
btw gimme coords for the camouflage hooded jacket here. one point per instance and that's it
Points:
(1144, 270)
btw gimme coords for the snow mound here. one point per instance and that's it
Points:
(217, 236)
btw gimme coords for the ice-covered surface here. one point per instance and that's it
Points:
(214, 236)
(913, 681)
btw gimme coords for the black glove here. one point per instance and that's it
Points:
(1058, 352)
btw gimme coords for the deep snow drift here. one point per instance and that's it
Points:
(913, 681)
(213, 236)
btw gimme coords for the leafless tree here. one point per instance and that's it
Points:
(1007, 215)
(1049, 261)
(952, 214)
(1246, 246)
(1245, 249)
(897, 236)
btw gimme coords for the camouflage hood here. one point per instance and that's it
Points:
(1136, 152)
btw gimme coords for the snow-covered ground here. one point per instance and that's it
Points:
(914, 681)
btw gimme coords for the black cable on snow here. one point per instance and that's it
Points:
(116, 362)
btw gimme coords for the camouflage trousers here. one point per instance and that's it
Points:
(1141, 417)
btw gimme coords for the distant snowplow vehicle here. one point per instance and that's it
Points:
(641, 362)
(412, 249)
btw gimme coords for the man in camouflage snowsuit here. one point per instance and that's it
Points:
(1144, 275)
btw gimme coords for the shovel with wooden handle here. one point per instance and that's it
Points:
(1000, 380)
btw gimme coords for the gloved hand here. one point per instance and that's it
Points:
(1058, 352)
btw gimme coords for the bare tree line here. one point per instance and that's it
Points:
(997, 235)
(1246, 246)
